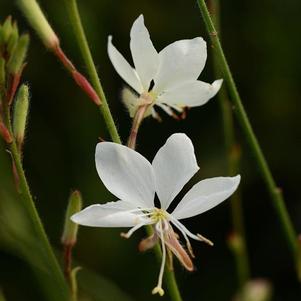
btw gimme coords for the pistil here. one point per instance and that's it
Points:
(158, 289)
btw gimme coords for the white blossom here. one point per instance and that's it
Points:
(134, 181)
(168, 78)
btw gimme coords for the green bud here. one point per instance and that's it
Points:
(7, 28)
(20, 114)
(2, 73)
(38, 21)
(13, 39)
(70, 228)
(17, 58)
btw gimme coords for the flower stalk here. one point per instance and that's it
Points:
(233, 155)
(274, 191)
(145, 101)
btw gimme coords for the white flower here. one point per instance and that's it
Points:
(167, 79)
(134, 180)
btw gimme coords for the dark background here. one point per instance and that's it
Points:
(262, 42)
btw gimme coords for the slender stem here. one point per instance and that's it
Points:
(275, 192)
(233, 160)
(136, 125)
(145, 101)
(70, 274)
(68, 262)
(88, 59)
(30, 206)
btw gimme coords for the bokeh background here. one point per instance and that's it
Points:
(262, 43)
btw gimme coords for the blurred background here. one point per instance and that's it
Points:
(262, 42)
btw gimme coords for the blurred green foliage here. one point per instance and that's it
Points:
(261, 40)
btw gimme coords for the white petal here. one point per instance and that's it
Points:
(123, 68)
(205, 195)
(125, 173)
(179, 62)
(174, 164)
(112, 214)
(190, 94)
(145, 56)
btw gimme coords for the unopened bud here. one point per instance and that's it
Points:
(70, 228)
(38, 21)
(21, 113)
(17, 58)
(7, 28)
(13, 39)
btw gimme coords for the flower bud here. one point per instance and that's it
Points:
(13, 39)
(38, 21)
(17, 58)
(7, 28)
(70, 228)
(20, 114)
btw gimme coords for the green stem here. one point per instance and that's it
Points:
(233, 160)
(274, 191)
(88, 59)
(52, 262)
(86, 53)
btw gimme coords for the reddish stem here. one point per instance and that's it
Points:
(79, 78)
(146, 101)
(68, 261)
(4, 132)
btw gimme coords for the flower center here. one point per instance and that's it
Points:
(158, 215)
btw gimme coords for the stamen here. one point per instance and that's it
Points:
(158, 289)
(132, 230)
(204, 239)
(188, 244)
(156, 115)
(198, 237)
(177, 108)
(168, 110)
